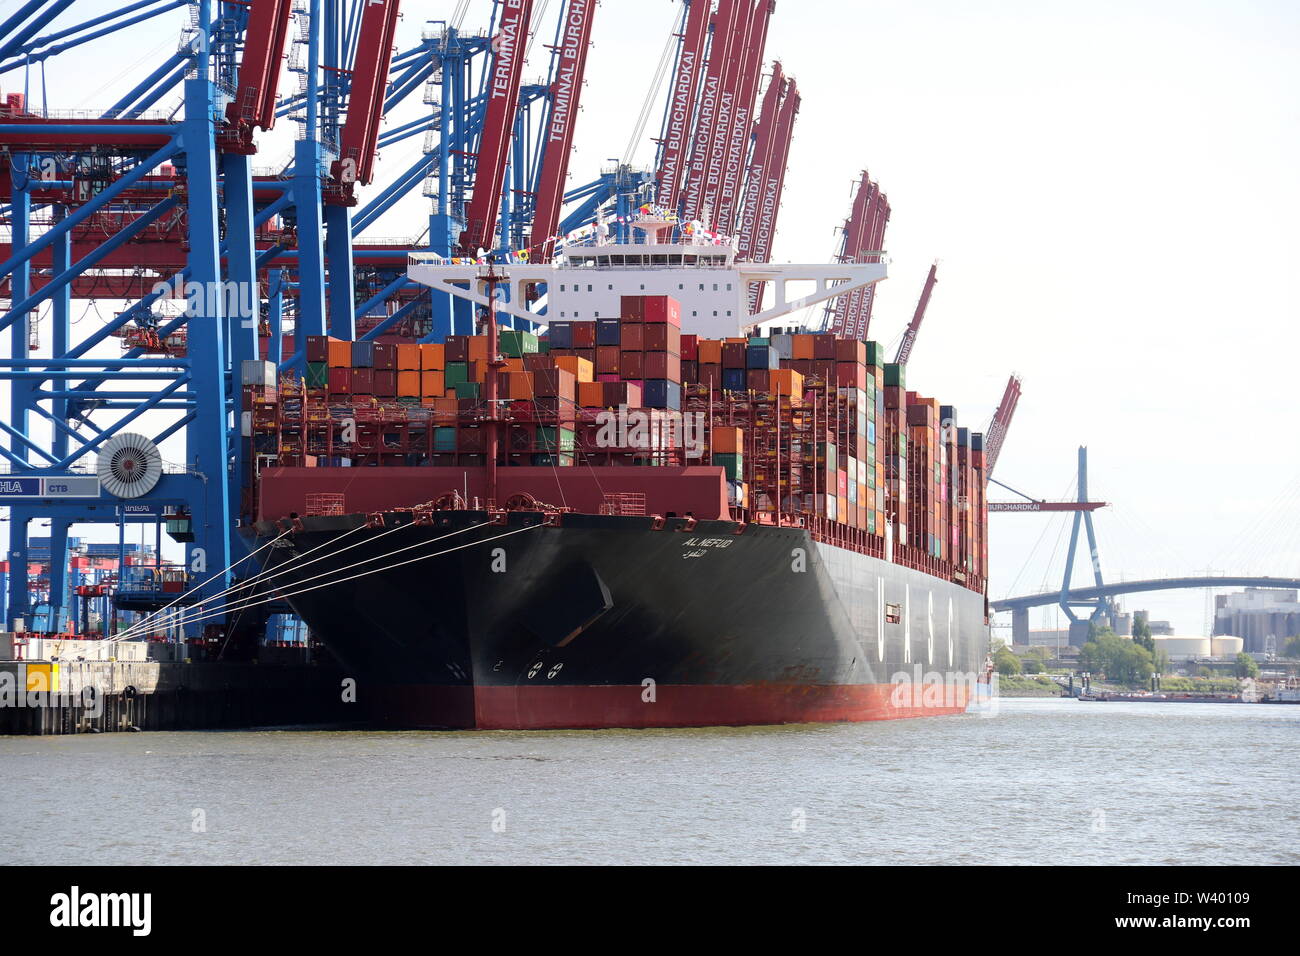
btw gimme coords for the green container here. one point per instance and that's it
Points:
(759, 340)
(467, 389)
(444, 438)
(318, 375)
(546, 438)
(895, 375)
(543, 346)
(517, 344)
(456, 373)
(560, 461)
(875, 354)
(733, 464)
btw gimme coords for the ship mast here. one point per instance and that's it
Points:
(490, 382)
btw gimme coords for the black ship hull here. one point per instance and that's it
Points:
(607, 621)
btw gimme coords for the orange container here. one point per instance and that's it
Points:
(408, 383)
(582, 369)
(478, 348)
(340, 354)
(802, 347)
(591, 394)
(710, 351)
(433, 357)
(516, 385)
(786, 381)
(432, 384)
(408, 358)
(728, 440)
(513, 365)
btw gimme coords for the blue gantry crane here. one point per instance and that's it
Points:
(217, 264)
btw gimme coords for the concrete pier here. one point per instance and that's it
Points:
(70, 696)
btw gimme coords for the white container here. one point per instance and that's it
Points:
(254, 372)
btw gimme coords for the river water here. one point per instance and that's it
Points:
(1042, 781)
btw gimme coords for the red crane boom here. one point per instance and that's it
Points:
(253, 105)
(737, 145)
(683, 103)
(359, 138)
(760, 160)
(566, 91)
(909, 337)
(726, 30)
(498, 121)
(997, 432)
(769, 196)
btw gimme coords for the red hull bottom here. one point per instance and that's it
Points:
(681, 705)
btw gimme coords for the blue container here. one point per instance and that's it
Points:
(561, 335)
(733, 379)
(762, 356)
(607, 332)
(963, 437)
(662, 393)
(363, 354)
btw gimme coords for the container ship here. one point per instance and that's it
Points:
(651, 515)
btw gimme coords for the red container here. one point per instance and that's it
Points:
(850, 350)
(386, 357)
(661, 365)
(623, 393)
(318, 349)
(385, 380)
(663, 308)
(757, 379)
(850, 375)
(663, 338)
(631, 336)
(631, 365)
(824, 347)
(632, 307)
(607, 359)
(733, 355)
(894, 396)
(584, 335)
(710, 375)
(363, 381)
(690, 348)
(340, 381)
(457, 349)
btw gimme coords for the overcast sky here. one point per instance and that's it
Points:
(1110, 189)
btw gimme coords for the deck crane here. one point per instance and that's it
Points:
(502, 93)
(253, 105)
(561, 118)
(909, 337)
(679, 118)
(360, 134)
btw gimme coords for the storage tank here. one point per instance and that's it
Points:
(1224, 646)
(1182, 648)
